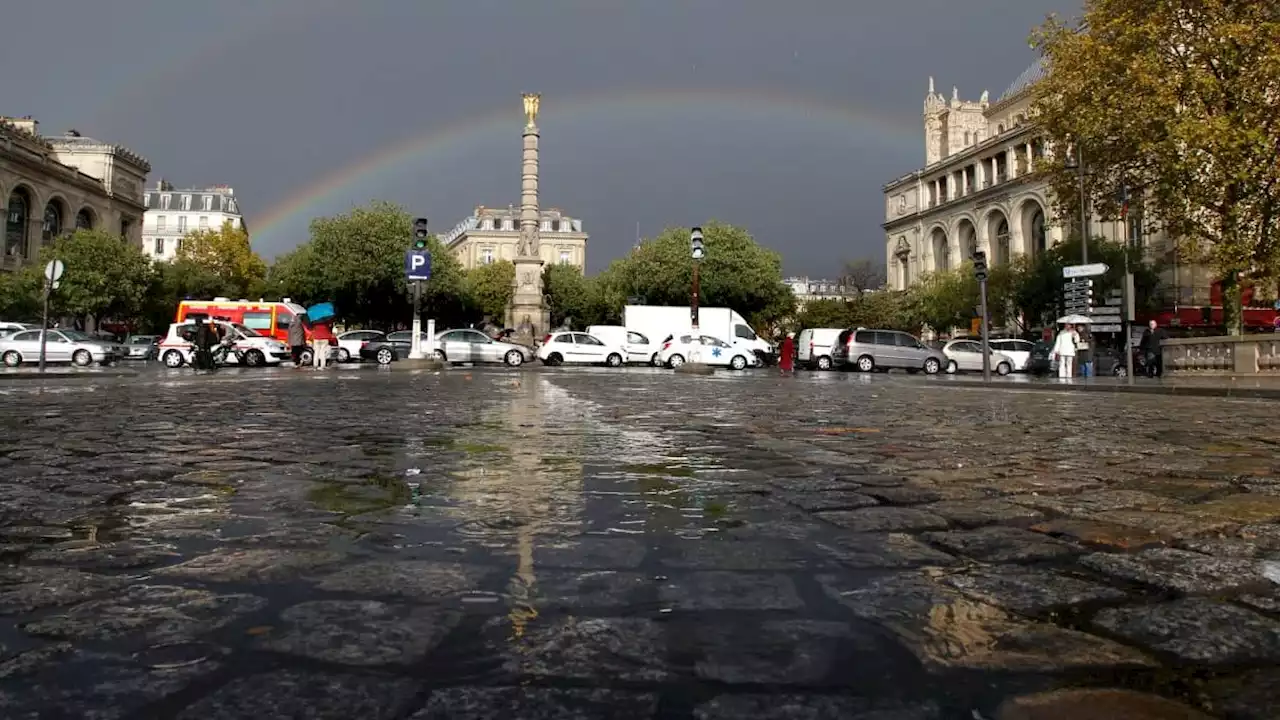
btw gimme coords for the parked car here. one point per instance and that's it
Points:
(579, 348)
(9, 328)
(1018, 351)
(468, 345)
(706, 350)
(351, 341)
(966, 356)
(381, 350)
(142, 347)
(247, 346)
(871, 350)
(61, 346)
(813, 347)
(640, 347)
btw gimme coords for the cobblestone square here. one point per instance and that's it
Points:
(590, 544)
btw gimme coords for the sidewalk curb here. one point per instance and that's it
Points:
(1254, 393)
(66, 375)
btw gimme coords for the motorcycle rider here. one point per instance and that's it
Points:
(206, 337)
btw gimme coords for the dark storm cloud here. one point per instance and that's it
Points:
(808, 106)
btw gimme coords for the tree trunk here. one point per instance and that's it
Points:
(1232, 309)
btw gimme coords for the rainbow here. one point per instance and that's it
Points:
(295, 211)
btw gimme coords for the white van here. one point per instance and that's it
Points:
(640, 347)
(658, 322)
(813, 347)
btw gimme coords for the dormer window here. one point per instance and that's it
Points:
(186, 202)
(208, 203)
(165, 200)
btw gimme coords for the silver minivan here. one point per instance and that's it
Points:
(813, 347)
(870, 350)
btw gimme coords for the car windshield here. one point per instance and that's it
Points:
(245, 330)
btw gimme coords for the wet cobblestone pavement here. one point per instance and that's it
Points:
(582, 544)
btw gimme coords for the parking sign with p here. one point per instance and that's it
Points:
(417, 265)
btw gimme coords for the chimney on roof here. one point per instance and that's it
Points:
(26, 124)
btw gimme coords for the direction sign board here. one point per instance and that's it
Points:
(1084, 271)
(417, 264)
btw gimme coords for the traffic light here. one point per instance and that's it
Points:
(695, 243)
(420, 233)
(980, 264)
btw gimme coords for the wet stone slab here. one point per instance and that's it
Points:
(828, 500)
(113, 556)
(598, 589)
(975, 513)
(733, 554)
(1180, 570)
(1198, 630)
(23, 589)
(1029, 591)
(1003, 544)
(358, 633)
(307, 694)
(883, 550)
(1088, 504)
(1092, 703)
(812, 707)
(722, 590)
(535, 703)
(592, 553)
(264, 565)
(596, 649)
(420, 580)
(1250, 695)
(885, 519)
(154, 613)
(786, 652)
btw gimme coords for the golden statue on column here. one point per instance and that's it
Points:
(531, 107)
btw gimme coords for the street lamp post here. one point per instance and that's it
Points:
(696, 250)
(980, 271)
(1075, 161)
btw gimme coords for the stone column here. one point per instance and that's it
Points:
(1011, 162)
(527, 313)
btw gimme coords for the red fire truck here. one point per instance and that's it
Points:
(268, 318)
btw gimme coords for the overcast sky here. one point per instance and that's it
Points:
(784, 117)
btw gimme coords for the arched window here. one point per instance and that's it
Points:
(966, 138)
(52, 226)
(84, 219)
(17, 214)
(1000, 128)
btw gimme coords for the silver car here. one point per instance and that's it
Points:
(467, 345)
(870, 350)
(966, 356)
(61, 346)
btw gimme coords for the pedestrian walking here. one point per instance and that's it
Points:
(321, 337)
(1150, 347)
(297, 340)
(1064, 351)
(787, 356)
(206, 337)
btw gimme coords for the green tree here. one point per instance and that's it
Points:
(944, 300)
(489, 288)
(826, 313)
(572, 297)
(106, 276)
(20, 298)
(223, 254)
(737, 273)
(1036, 289)
(1178, 101)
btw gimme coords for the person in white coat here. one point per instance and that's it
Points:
(1064, 350)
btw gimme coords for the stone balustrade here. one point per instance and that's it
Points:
(1231, 355)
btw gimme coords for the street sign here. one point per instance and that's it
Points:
(1084, 271)
(53, 271)
(417, 265)
(1104, 328)
(1100, 313)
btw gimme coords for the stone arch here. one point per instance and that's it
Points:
(55, 218)
(998, 231)
(966, 233)
(86, 218)
(20, 207)
(1034, 225)
(940, 248)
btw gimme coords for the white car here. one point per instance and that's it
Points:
(70, 346)
(579, 348)
(9, 328)
(706, 350)
(966, 355)
(1019, 351)
(640, 348)
(177, 348)
(349, 343)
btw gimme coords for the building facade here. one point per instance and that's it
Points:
(53, 185)
(979, 189)
(172, 213)
(492, 234)
(807, 290)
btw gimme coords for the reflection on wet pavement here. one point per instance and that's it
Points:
(476, 544)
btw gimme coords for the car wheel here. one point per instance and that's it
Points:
(824, 363)
(173, 359)
(675, 361)
(1120, 371)
(344, 355)
(866, 364)
(952, 367)
(655, 360)
(738, 362)
(932, 366)
(439, 355)
(614, 360)
(306, 357)
(1003, 369)
(82, 358)
(12, 358)
(384, 356)
(253, 358)
(513, 358)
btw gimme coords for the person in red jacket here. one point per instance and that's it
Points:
(321, 337)
(787, 356)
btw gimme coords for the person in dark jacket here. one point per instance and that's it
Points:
(297, 340)
(1152, 338)
(206, 337)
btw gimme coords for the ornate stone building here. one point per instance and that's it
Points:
(53, 185)
(492, 234)
(807, 290)
(172, 213)
(979, 188)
